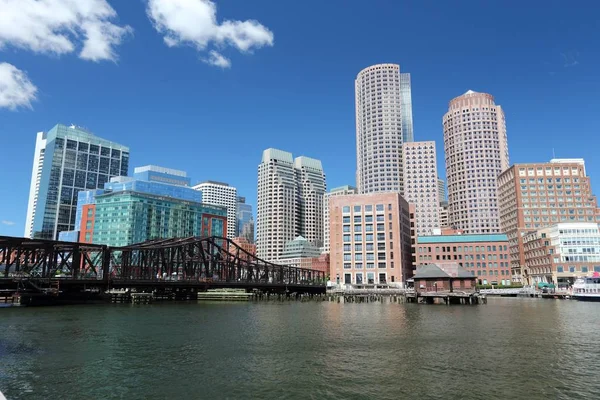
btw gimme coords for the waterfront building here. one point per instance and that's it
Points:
(338, 191)
(221, 194)
(299, 253)
(321, 263)
(383, 123)
(421, 185)
(443, 277)
(67, 160)
(486, 257)
(247, 246)
(537, 195)
(560, 253)
(156, 203)
(245, 221)
(371, 239)
(476, 152)
(290, 202)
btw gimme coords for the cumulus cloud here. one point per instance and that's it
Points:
(16, 90)
(5, 222)
(61, 26)
(194, 22)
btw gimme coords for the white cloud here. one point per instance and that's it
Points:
(5, 222)
(16, 90)
(59, 26)
(194, 22)
(217, 59)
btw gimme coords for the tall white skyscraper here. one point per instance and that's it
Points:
(221, 194)
(441, 190)
(67, 160)
(289, 203)
(421, 185)
(339, 191)
(383, 123)
(476, 150)
(34, 188)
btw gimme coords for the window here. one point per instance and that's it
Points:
(381, 256)
(358, 237)
(346, 220)
(358, 257)
(584, 269)
(370, 265)
(369, 237)
(380, 227)
(358, 247)
(381, 265)
(347, 266)
(346, 209)
(379, 207)
(571, 268)
(369, 246)
(560, 269)
(347, 247)
(358, 266)
(368, 208)
(368, 218)
(357, 228)
(381, 237)
(357, 219)
(597, 268)
(381, 246)
(369, 228)
(346, 238)
(356, 209)
(347, 257)
(346, 228)
(380, 218)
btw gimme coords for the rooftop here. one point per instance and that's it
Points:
(442, 270)
(497, 237)
(162, 170)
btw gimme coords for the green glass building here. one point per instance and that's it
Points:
(127, 217)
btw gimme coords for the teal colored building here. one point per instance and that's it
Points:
(127, 217)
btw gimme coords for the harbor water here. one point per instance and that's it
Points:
(508, 349)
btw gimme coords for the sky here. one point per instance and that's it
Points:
(205, 86)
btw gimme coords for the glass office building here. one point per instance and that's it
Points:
(67, 160)
(245, 222)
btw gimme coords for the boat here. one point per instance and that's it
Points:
(587, 288)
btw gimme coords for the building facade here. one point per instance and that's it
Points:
(443, 211)
(371, 239)
(383, 124)
(537, 195)
(476, 150)
(561, 253)
(67, 160)
(486, 257)
(221, 194)
(299, 253)
(421, 185)
(245, 245)
(310, 179)
(441, 190)
(245, 221)
(338, 191)
(290, 202)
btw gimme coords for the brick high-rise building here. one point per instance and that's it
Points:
(421, 185)
(537, 195)
(476, 153)
(338, 191)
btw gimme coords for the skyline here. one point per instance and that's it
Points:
(534, 72)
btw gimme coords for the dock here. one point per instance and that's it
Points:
(225, 295)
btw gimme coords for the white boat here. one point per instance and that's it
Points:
(587, 289)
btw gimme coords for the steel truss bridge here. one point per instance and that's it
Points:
(199, 262)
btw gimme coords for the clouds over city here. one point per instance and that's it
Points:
(16, 90)
(61, 27)
(194, 23)
(5, 222)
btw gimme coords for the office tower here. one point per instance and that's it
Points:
(338, 191)
(537, 195)
(383, 123)
(290, 202)
(299, 253)
(68, 159)
(310, 179)
(371, 239)
(441, 190)
(421, 185)
(221, 194)
(156, 203)
(245, 222)
(484, 256)
(476, 153)
(444, 214)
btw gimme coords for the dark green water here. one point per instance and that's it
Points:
(507, 349)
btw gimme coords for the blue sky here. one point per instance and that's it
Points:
(286, 81)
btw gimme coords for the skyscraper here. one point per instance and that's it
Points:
(221, 194)
(245, 222)
(441, 190)
(338, 191)
(383, 123)
(310, 179)
(476, 150)
(290, 202)
(421, 185)
(68, 159)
